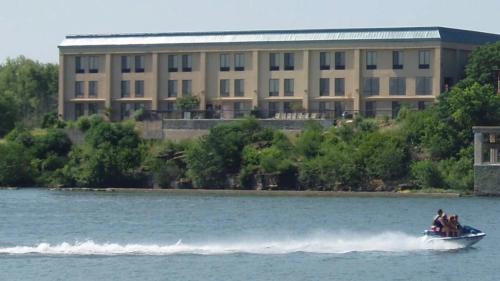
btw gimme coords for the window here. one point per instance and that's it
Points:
(125, 64)
(224, 88)
(339, 86)
(93, 64)
(371, 60)
(172, 88)
(397, 86)
(139, 88)
(339, 60)
(370, 109)
(324, 87)
(79, 110)
(186, 87)
(79, 65)
(92, 88)
(371, 86)
(239, 62)
(287, 107)
(139, 63)
(224, 62)
(274, 87)
(125, 89)
(125, 110)
(424, 86)
(339, 108)
(274, 61)
(239, 110)
(172, 63)
(289, 61)
(239, 87)
(78, 89)
(396, 106)
(424, 59)
(273, 108)
(324, 61)
(92, 108)
(187, 63)
(322, 107)
(289, 87)
(171, 105)
(397, 60)
(421, 105)
(139, 105)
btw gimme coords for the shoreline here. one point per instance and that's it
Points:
(292, 193)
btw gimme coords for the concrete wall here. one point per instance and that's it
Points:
(487, 179)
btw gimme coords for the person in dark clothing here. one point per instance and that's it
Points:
(437, 224)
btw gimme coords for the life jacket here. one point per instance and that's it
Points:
(437, 223)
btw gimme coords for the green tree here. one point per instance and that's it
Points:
(482, 66)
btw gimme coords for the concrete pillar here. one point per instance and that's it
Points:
(203, 80)
(108, 91)
(493, 151)
(436, 66)
(306, 72)
(478, 148)
(357, 81)
(256, 78)
(155, 81)
(61, 99)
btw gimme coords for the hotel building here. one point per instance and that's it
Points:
(367, 71)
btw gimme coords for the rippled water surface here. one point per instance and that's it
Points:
(53, 235)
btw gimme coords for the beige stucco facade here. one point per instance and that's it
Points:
(446, 63)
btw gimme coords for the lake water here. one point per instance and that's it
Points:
(56, 235)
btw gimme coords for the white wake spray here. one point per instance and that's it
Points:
(320, 244)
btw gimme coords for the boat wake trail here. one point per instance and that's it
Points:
(320, 244)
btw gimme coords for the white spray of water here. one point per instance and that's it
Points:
(321, 244)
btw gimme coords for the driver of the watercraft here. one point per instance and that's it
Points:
(437, 224)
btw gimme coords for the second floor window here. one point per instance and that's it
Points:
(424, 86)
(397, 86)
(172, 63)
(172, 88)
(339, 86)
(139, 63)
(339, 60)
(324, 87)
(224, 62)
(289, 61)
(78, 89)
(92, 88)
(187, 88)
(125, 64)
(239, 87)
(424, 59)
(224, 88)
(371, 86)
(79, 65)
(397, 60)
(289, 87)
(93, 64)
(239, 62)
(139, 88)
(274, 61)
(187, 63)
(274, 87)
(125, 89)
(324, 61)
(371, 60)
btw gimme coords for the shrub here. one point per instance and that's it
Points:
(426, 174)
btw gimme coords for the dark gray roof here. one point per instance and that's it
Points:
(271, 36)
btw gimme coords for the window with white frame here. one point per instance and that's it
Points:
(239, 62)
(239, 87)
(274, 87)
(224, 62)
(224, 88)
(424, 59)
(371, 60)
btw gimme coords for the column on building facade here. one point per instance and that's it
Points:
(256, 79)
(356, 107)
(61, 93)
(306, 69)
(493, 151)
(155, 88)
(436, 66)
(478, 148)
(203, 80)
(108, 92)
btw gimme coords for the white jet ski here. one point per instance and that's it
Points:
(468, 236)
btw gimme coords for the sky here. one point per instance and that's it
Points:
(34, 28)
